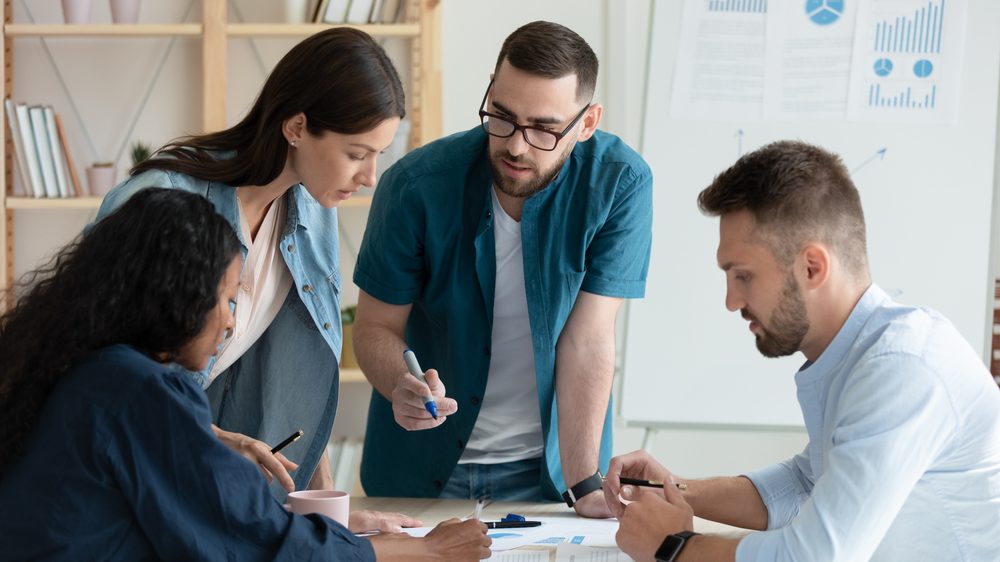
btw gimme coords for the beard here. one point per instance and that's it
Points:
(789, 323)
(525, 188)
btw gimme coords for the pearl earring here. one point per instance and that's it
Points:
(293, 143)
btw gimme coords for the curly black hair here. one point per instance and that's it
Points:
(147, 275)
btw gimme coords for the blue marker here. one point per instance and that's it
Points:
(411, 363)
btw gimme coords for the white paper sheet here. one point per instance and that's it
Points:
(719, 74)
(907, 57)
(808, 59)
(569, 552)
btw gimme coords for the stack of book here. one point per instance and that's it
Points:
(43, 159)
(359, 12)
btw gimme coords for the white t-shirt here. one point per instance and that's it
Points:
(264, 284)
(509, 426)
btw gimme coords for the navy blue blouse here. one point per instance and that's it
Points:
(122, 465)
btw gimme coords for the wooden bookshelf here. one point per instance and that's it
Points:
(214, 32)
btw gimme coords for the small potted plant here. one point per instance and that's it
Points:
(140, 152)
(347, 358)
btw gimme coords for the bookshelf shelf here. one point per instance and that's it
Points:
(103, 30)
(62, 203)
(302, 30)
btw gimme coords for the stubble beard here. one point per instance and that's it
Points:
(522, 189)
(788, 325)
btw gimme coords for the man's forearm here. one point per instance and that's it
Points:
(730, 500)
(583, 386)
(380, 356)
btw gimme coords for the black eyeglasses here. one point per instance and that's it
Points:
(538, 137)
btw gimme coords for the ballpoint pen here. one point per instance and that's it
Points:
(648, 483)
(479, 509)
(288, 441)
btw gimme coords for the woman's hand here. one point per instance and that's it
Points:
(365, 521)
(450, 540)
(259, 453)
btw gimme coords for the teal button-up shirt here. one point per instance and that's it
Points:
(429, 242)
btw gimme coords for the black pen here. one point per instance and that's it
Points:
(648, 483)
(288, 441)
(510, 524)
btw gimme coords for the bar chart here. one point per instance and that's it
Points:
(902, 97)
(740, 6)
(917, 33)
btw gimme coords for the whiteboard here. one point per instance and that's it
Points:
(690, 362)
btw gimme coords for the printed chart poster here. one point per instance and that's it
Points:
(907, 56)
(809, 48)
(720, 62)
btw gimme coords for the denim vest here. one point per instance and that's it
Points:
(288, 379)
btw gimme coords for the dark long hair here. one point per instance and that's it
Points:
(340, 78)
(146, 275)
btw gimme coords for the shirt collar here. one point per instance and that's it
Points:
(872, 299)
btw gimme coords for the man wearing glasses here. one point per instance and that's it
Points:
(500, 256)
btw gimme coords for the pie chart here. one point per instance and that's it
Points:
(922, 68)
(883, 67)
(824, 12)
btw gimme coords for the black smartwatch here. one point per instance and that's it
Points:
(583, 487)
(672, 546)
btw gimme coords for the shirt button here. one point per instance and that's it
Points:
(461, 443)
(438, 484)
(246, 288)
(327, 325)
(307, 288)
(489, 214)
(487, 351)
(291, 247)
(474, 400)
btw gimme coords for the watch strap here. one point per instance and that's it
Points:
(673, 545)
(583, 487)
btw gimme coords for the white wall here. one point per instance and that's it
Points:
(108, 79)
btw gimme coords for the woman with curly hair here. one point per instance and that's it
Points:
(108, 450)
(331, 105)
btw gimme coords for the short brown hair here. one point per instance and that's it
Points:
(796, 192)
(553, 51)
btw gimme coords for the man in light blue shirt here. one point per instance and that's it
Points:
(903, 460)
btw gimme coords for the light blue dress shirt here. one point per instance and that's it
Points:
(903, 460)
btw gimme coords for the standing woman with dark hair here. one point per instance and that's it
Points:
(310, 141)
(108, 451)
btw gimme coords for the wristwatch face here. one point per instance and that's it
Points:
(670, 548)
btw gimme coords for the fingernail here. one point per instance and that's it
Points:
(627, 491)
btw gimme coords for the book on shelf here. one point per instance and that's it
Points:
(37, 188)
(74, 178)
(58, 162)
(45, 159)
(335, 11)
(16, 140)
(376, 13)
(319, 10)
(42, 154)
(392, 11)
(359, 12)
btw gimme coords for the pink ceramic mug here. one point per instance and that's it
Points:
(334, 504)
